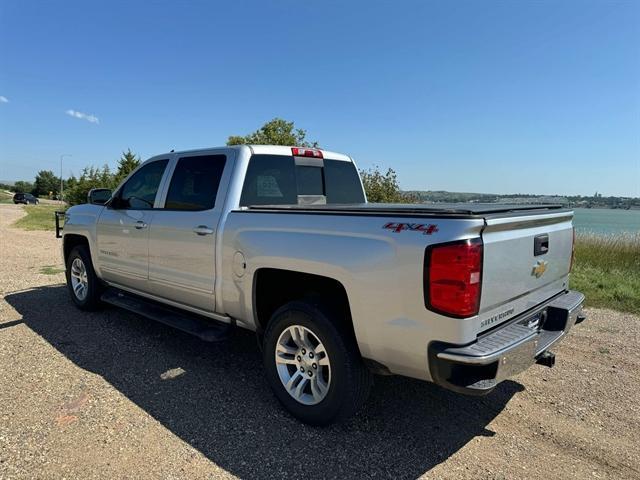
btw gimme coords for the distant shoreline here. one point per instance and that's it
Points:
(604, 208)
(607, 221)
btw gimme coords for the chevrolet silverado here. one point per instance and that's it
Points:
(281, 241)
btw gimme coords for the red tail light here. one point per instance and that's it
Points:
(453, 278)
(306, 152)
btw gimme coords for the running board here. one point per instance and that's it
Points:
(204, 328)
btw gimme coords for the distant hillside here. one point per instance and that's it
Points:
(465, 197)
(595, 201)
(443, 196)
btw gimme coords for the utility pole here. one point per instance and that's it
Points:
(61, 184)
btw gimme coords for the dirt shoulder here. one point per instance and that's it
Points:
(83, 397)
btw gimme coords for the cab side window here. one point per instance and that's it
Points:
(195, 181)
(139, 192)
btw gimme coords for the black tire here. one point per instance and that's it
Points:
(91, 301)
(350, 379)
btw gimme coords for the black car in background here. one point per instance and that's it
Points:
(25, 198)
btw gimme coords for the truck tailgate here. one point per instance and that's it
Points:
(526, 261)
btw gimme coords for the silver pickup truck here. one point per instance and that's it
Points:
(281, 241)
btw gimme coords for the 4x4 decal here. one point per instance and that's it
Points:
(425, 228)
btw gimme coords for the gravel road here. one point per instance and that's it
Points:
(88, 396)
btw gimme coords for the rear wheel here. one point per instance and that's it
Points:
(313, 364)
(83, 284)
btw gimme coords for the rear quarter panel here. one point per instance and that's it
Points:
(380, 269)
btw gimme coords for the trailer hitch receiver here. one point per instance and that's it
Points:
(546, 359)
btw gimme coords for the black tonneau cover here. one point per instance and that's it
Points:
(414, 209)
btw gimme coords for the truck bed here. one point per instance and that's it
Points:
(450, 210)
(515, 278)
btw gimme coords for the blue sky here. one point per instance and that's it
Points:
(504, 97)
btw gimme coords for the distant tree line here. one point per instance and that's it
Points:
(595, 201)
(93, 177)
(47, 184)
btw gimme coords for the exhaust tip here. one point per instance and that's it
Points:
(546, 359)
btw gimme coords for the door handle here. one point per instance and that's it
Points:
(541, 244)
(202, 230)
(140, 225)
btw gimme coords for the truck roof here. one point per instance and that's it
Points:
(267, 150)
(286, 150)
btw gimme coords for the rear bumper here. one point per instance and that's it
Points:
(477, 368)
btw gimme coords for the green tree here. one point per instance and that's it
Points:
(46, 182)
(383, 187)
(22, 187)
(91, 177)
(128, 163)
(274, 132)
(70, 182)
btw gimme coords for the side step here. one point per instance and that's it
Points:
(204, 328)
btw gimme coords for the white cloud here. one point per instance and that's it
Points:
(4, 99)
(83, 116)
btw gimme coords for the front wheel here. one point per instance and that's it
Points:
(83, 284)
(313, 364)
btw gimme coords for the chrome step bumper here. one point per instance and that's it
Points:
(508, 350)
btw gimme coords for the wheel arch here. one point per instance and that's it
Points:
(72, 240)
(274, 287)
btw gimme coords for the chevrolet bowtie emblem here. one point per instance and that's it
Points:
(539, 268)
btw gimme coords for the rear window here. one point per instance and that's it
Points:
(309, 179)
(277, 180)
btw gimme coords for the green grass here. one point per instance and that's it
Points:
(6, 197)
(39, 217)
(51, 270)
(607, 271)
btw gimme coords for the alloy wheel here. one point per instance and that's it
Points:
(303, 365)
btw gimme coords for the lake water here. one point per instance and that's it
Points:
(606, 221)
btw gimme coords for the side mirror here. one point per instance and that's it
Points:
(99, 196)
